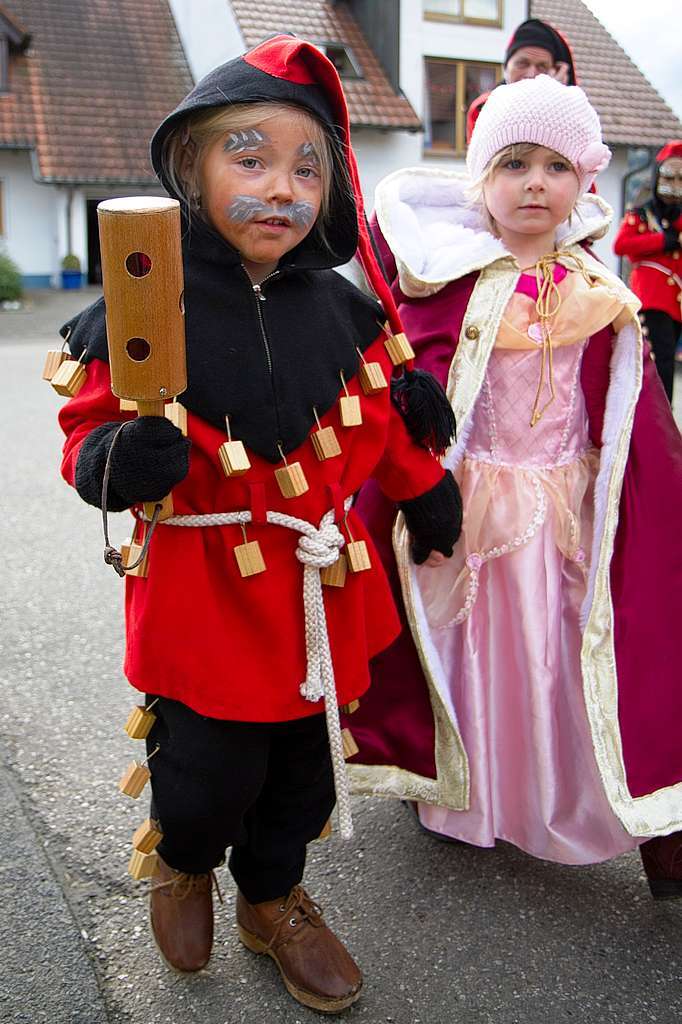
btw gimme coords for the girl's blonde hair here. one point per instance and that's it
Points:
(198, 131)
(517, 151)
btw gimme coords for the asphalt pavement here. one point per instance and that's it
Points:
(444, 932)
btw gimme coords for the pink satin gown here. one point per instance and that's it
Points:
(504, 613)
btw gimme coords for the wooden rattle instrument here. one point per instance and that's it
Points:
(143, 291)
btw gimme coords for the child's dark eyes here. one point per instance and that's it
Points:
(249, 162)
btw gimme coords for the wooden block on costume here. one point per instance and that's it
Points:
(291, 480)
(139, 723)
(142, 865)
(351, 413)
(166, 508)
(335, 575)
(350, 709)
(125, 405)
(148, 836)
(177, 414)
(350, 747)
(69, 378)
(326, 831)
(53, 360)
(325, 443)
(372, 379)
(134, 779)
(249, 558)
(399, 349)
(233, 458)
(131, 551)
(358, 556)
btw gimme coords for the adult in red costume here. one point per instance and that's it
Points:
(535, 48)
(651, 238)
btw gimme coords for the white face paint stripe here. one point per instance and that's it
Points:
(308, 150)
(247, 141)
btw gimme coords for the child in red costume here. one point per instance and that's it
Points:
(259, 156)
(651, 237)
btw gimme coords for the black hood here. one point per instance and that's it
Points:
(241, 81)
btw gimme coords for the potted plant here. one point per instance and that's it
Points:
(71, 271)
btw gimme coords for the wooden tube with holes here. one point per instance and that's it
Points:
(143, 291)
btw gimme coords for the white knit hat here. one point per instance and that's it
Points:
(542, 111)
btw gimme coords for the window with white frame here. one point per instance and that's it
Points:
(475, 12)
(450, 87)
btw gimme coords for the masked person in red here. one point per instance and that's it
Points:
(244, 668)
(651, 237)
(535, 49)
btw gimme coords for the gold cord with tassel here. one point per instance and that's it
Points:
(547, 305)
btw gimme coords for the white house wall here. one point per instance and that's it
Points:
(209, 33)
(29, 218)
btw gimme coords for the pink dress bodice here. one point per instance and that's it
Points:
(501, 431)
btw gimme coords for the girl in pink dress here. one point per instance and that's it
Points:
(541, 706)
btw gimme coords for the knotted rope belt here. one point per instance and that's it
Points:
(318, 547)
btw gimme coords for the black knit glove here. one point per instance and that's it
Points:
(672, 240)
(434, 519)
(150, 457)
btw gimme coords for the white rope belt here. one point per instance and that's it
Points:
(318, 547)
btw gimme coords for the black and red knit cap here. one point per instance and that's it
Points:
(534, 32)
(285, 69)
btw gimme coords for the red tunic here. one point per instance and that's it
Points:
(232, 647)
(657, 288)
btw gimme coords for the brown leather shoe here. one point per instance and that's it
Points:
(316, 968)
(181, 917)
(662, 860)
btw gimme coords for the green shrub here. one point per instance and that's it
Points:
(71, 262)
(10, 279)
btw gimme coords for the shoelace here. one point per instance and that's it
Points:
(298, 902)
(183, 884)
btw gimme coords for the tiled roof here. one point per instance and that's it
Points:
(372, 101)
(631, 111)
(98, 77)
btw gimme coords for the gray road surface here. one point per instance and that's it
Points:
(445, 933)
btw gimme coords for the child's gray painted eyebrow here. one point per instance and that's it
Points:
(247, 140)
(308, 149)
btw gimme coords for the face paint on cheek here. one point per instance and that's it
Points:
(245, 208)
(301, 214)
(247, 141)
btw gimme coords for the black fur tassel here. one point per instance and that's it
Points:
(425, 409)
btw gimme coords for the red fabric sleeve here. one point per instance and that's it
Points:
(405, 470)
(93, 405)
(632, 242)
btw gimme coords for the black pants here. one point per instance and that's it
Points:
(265, 789)
(664, 333)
